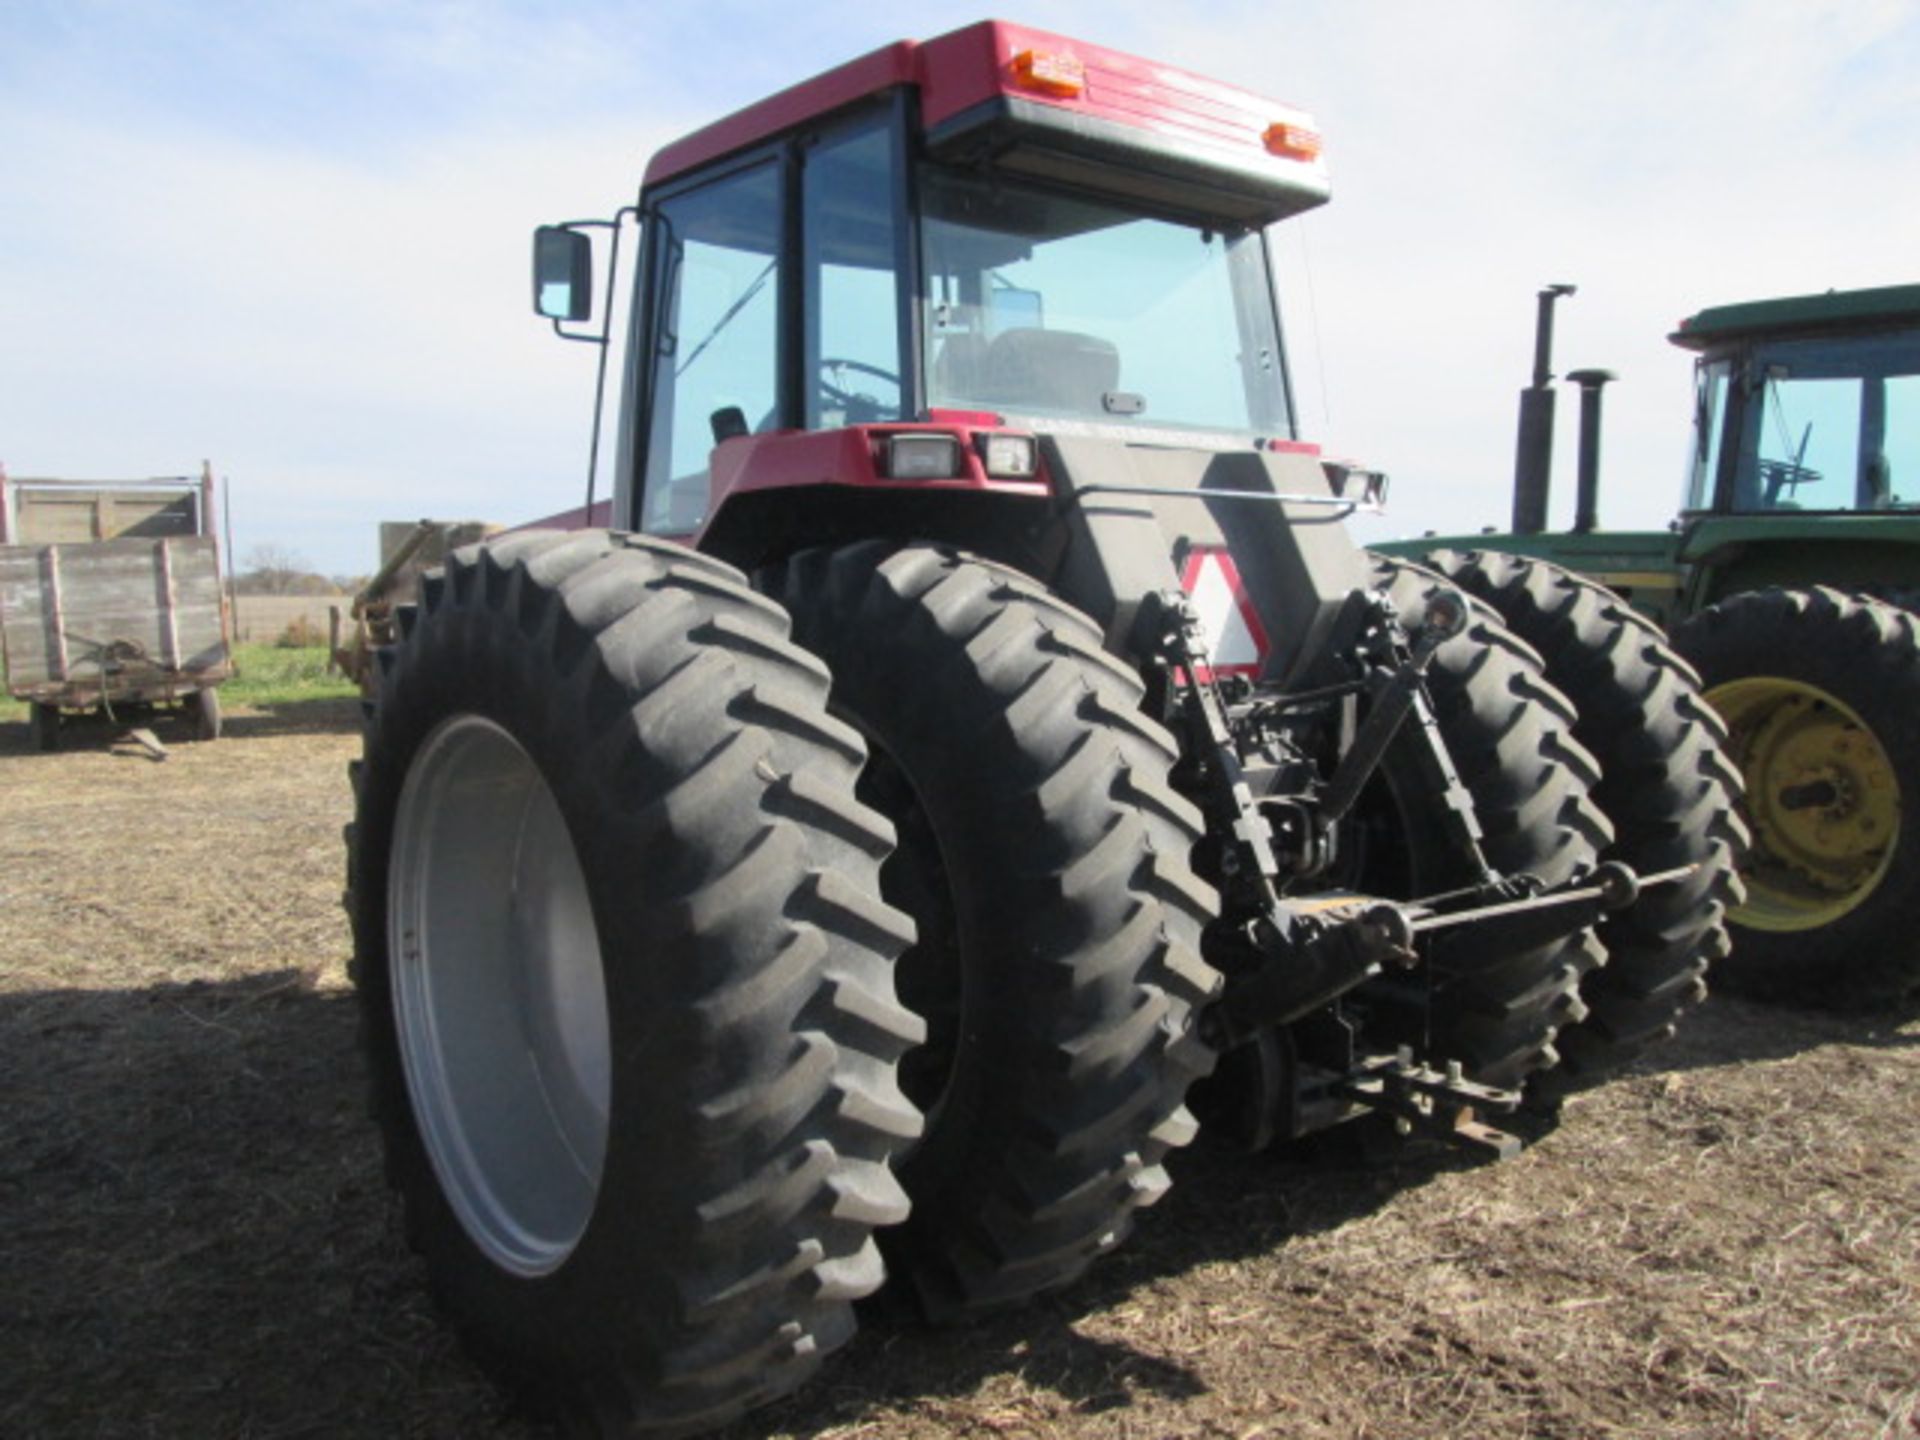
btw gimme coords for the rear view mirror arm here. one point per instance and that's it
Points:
(616, 224)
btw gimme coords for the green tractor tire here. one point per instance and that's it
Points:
(1821, 694)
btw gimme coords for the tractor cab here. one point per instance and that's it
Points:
(897, 276)
(1810, 404)
(1806, 455)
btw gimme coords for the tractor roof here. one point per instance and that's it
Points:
(1887, 306)
(1008, 89)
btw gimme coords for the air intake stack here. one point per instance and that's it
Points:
(1533, 457)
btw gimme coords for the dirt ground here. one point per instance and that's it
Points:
(195, 1239)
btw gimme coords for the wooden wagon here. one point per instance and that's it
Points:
(111, 596)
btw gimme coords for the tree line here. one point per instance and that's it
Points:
(270, 569)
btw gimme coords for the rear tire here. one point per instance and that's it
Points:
(1495, 1008)
(1046, 860)
(43, 726)
(1821, 693)
(1665, 783)
(625, 979)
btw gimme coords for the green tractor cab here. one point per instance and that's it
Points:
(1789, 580)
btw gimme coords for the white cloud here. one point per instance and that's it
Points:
(294, 238)
(1663, 157)
(349, 343)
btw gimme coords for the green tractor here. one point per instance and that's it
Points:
(1790, 581)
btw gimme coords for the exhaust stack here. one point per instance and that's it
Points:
(1533, 456)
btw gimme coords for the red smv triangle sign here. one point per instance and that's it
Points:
(1236, 640)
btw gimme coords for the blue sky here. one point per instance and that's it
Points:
(293, 237)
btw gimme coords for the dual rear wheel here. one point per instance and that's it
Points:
(1501, 1009)
(1665, 784)
(632, 977)
(1773, 741)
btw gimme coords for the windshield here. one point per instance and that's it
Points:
(1044, 305)
(1831, 424)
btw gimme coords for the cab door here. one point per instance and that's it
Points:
(777, 303)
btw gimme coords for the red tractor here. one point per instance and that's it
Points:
(975, 725)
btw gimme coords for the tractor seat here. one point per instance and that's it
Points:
(1051, 369)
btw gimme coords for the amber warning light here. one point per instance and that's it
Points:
(1050, 74)
(1291, 140)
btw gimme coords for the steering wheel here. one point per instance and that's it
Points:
(846, 399)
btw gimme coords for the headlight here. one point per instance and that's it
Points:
(923, 457)
(1008, 457)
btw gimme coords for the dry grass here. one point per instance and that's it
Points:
(195, 1240)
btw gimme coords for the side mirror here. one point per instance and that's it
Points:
(562, 273)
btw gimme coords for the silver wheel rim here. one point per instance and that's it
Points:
(498, 994)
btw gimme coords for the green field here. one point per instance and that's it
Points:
(268, 675)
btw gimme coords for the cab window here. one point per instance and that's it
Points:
(850, 246)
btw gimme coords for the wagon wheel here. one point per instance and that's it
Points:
(202, 707)
(44, 726)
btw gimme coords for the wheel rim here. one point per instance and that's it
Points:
(1822, 796)
(499, 996)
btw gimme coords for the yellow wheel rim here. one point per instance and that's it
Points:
(1822, 797)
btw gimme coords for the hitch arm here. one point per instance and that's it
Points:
(1401, 695)
(1170, 628)
(1612, 886)
(1311, 952)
